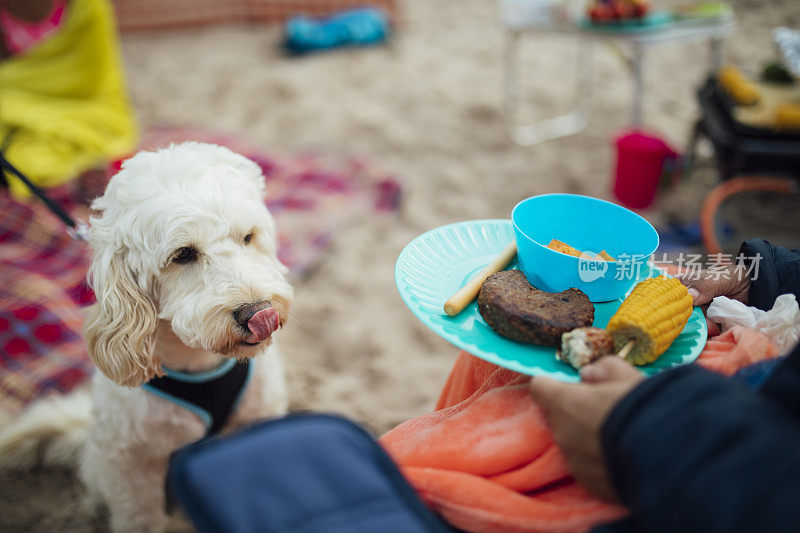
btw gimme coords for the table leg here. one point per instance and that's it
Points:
(715, 46)
(511, 75)
(552, 128)
(585, 74)
(638, 85)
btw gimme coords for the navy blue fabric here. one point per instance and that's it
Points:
(689, 450)
(783, 385)
(213, 399)
(299, 474)
(778, 272)
(756, 374)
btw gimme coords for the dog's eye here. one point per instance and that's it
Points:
(248, 238)
(184, 255)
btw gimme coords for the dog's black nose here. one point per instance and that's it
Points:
(243, 314)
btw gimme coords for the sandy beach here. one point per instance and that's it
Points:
(428, 108)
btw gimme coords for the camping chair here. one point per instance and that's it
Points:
(747, 158)
(304, 473)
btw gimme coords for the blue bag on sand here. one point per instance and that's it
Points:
(354, 27)
(307, 473)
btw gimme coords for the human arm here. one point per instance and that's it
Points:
(777, 272)
(689, 449)
(686, 449)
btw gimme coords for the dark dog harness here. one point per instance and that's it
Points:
(211, 395)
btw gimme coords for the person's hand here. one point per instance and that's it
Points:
(731, 281)
(576, 412)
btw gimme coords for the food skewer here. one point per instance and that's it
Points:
(643, 328)
(468, 292)
(653, 316)
(623, 353)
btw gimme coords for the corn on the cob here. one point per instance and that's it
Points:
(652, 316)
(742, 90)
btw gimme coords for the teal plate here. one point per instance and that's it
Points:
(438, 263)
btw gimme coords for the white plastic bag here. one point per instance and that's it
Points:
(781, 324)
(728, 313)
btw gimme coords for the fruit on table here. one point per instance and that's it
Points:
(742, 90)
(601, 11)
(776, 72)
(609, 10)
(652, 316)
(787, 115)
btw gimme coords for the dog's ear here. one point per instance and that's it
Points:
(120, 328)
(247, 167)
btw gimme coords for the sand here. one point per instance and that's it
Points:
(428, 108)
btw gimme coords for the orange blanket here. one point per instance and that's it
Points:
(485, 459)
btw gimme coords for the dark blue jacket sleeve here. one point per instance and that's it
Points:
(689, 450)
(776, 270)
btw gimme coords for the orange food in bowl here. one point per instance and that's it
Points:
(565, 248)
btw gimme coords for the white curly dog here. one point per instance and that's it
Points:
(188, 283)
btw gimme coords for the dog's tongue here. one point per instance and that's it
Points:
(262, 325)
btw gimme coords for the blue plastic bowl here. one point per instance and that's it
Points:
(590, 225)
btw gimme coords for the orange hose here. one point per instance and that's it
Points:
(728, 188)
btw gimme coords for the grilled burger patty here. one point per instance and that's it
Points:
(516, 309)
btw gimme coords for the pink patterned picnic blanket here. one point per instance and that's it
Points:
(42, 271)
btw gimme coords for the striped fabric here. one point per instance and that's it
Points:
(151, 14)
(42, 271)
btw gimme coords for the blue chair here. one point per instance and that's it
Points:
(307, 473)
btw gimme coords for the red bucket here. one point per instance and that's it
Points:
(640, 163)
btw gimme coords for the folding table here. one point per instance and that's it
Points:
(639, 40)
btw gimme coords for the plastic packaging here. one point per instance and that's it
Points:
(781, 324)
